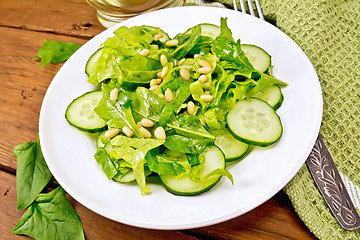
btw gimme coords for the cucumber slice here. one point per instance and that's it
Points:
(127, 178)
(90, 67)
(80, 113)
(183, 185)
(273, 96)
(257, 56)
(210, 30)
(255, 122)
(232, 148)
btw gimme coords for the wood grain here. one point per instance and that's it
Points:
(95, 226)
(272, 220)
(68, 17)
(23, 86)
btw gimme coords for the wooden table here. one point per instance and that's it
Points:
(24, 24)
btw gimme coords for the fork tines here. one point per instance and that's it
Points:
(250, 7)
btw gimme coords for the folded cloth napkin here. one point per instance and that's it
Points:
(328, 31)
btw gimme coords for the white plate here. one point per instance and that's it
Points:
(69, 152)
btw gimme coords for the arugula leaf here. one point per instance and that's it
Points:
(32, 173)
(115, 113)
(227, 49)
(133, 151)
(187, 41)
(56, 51)
(163, 164)
(50, 217)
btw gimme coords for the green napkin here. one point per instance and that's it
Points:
(328, 31)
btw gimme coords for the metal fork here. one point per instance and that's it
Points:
(251, 8)
(321, 165)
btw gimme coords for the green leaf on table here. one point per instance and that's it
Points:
(50, 217)
(56, 51)
(32, 173)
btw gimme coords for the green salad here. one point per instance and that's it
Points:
(179, 109)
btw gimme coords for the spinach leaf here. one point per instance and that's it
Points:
(56, 51)
(164, 164)
(149, 105)
(116, 113)
(50, 217)
(133, 151)
(227, 49)
(187, 41)
(32, 173)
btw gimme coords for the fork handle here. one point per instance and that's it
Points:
(331, 186)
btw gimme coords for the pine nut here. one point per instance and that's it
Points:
(163, 60)
(217, 59)
(147, 122)
(204, 70)
(160, 133)
(184, 74)
(139, 124)
(191, 107)
(145, 52)
(197, 55)
(206, 98)
(204, 63)
(155, 81)
(112, 132)
(161, 95)
(157, 37)
(159, 74)
(114, 94)
(164, 72)
(153, 88)
(206, 84)
(145, 132)
(203, 78)
(172, 42)
(168, 95)
(207, 93)
(127, 131)
(181, 62)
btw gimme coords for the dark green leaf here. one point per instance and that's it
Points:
(32, 173)
(113, 112)
(193, 159)
(50, 217)
(163, 164)
(227, 49)
(56, 52)
(187, 41)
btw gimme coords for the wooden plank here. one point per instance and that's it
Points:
(23, 86)
(95, 226)
(272, 220)
(51, 16)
